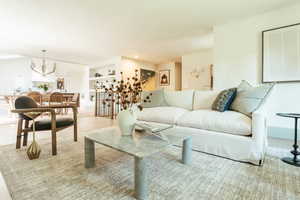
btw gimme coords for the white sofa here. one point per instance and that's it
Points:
(227, 134)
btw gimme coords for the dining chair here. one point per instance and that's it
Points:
(72, 99)
(56, 98)
(25, 104)
(36, 96)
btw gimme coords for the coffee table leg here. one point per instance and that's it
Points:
(89, 153)
(140, 178)
(187, 151)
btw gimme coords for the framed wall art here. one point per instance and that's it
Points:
(164, 77)
(281, 54)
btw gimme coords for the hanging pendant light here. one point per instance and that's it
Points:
(43, 70)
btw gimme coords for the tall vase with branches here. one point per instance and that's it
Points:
(127, 94)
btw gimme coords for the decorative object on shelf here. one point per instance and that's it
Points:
(98, 75)
(45, 87)
(43, 71)
(164, 77)
(111, 72)
(34, 150)
(60, 82)
(125, 93)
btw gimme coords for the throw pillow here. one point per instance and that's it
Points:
(181, 99)
(224, 100)
(156, 99)
(249, 98)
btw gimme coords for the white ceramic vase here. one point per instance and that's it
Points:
(126, 120)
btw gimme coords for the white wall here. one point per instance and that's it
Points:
(15, 71)
(238, 56)
(200, 61)
(14, 74)
(129, 66)
(75, 76)
(120, 64)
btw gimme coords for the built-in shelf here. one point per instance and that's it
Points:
(102, 77)
(105, 79)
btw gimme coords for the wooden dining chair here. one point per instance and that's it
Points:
(75, 101)
(56, 98)
(25, 104)
(36, 96)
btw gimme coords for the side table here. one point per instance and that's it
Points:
(292, 161)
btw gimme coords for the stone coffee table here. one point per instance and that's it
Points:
(140, 146)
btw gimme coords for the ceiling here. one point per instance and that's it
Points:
(88, 31)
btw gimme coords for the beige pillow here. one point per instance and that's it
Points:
(249, 98)
(181, 99)
(204, 99)
(156, 99)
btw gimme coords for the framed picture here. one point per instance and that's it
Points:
(164, 77)
(60, 83)
(148, 78)
(281, 54)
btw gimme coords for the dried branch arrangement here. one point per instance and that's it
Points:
(126, 92)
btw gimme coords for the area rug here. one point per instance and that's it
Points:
(63, 177)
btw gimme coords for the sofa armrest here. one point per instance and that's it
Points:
(259, 127)
(259, 121)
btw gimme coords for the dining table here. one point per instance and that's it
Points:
(67, 97)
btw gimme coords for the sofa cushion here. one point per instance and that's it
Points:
(227, 122)
(249, 98)
(167, 115)
(181, 99)
(157, 98)
(224, 100)
(45, 124)
(204, 99)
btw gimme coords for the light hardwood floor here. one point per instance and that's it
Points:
(86, 122)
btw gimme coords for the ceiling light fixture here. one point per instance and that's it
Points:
(43, 71)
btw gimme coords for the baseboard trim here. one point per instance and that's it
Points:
(282, 133)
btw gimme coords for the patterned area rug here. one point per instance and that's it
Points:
(64, 177)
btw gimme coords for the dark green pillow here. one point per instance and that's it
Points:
(224, 100)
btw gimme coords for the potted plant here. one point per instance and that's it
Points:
(127, 94)
(45, 87)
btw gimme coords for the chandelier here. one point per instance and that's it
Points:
(43, 71)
